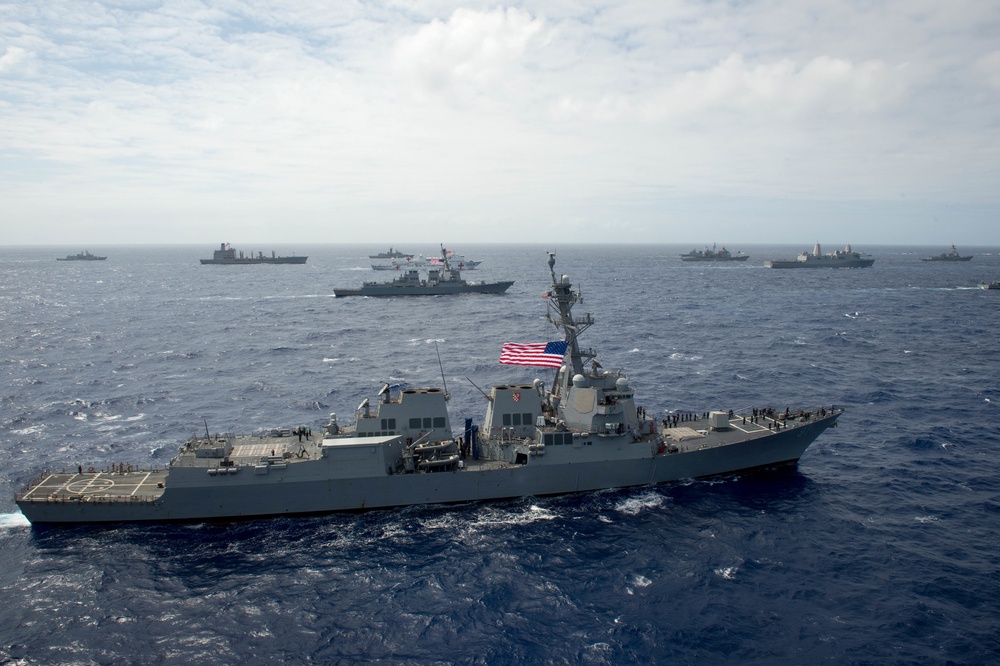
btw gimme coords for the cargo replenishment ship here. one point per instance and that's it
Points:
(583, 431)
(228, 256)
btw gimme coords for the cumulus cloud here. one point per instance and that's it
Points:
(470, 53)
(467, 111)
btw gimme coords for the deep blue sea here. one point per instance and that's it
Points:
(880, 548)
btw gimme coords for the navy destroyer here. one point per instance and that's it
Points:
(443, 278)
(713, 255)
(951, 255)
(228, 256)
(582, 432)
(82, 256)
(845, 258)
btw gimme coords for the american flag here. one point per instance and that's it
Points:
(534, 354)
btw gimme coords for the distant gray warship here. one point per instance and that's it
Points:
(228, 256)
(838, 259)
(583, 433)
(713, 255)
(83, 256)
(391, 254)
(419, 261)
(951, 255)
(443, 278)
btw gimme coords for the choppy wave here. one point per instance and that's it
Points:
(873, 550)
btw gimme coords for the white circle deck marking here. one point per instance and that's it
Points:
(89, 486)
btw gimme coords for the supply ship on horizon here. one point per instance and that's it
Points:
(583, 431)
(229, 256)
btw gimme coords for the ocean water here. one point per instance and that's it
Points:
(880, 548)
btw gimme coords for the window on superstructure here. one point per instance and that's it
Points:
(506, 419)
(438, 421)
(517, 419)
(415, 424)
(526, 418)
(428, 422)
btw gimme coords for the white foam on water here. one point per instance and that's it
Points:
(12, 520)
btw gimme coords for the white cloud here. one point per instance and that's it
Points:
(11, 57)
(470, 54)
(471, 111)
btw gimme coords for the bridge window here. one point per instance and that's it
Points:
(438, 421)
(415, 424)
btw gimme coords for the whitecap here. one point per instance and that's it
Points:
(11, 520)
(641, 581)
(926, 519)
(729, 573)
(634, 505)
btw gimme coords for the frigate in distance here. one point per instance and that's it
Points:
(584, 431)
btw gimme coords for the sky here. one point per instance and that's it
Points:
(387, 122)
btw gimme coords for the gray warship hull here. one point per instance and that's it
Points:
(819, 263)
(83, 256)
(845, 258)
(584, 432)
(441, 289)
(245, 261)
(739, 257)
(319, 485)
(442, 280)
(227, 256)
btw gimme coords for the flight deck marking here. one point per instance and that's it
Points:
(91, 486)
(139, 485)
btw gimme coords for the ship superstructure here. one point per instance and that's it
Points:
(583, 432)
